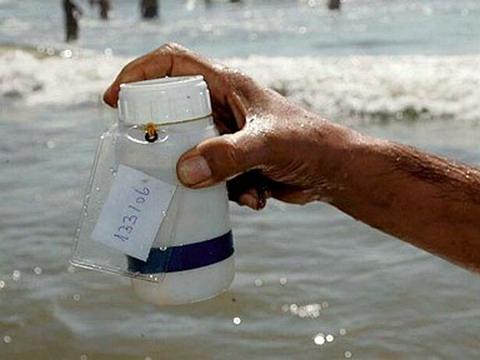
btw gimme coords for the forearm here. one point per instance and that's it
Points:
(431, 202)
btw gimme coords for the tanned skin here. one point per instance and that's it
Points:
(271, 147)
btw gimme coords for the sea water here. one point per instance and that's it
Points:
(311, 282)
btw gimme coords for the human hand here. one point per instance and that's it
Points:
(269, 146)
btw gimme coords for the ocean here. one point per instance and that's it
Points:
(311, 282)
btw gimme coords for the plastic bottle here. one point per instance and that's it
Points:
(192, 254)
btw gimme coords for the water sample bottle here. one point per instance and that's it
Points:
(138, 220)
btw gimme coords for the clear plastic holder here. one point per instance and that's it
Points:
(93, 255)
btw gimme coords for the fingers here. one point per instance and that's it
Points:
(168, 60)
(253, 199)
(220, 158)
(131, 72)
(250, 189)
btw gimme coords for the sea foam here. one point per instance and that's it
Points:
(348, 89)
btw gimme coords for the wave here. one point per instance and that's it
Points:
(28, 78)
(355, 88)
(378, 88)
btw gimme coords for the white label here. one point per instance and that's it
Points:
(133, 212)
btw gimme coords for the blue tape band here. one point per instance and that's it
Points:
(184, 257)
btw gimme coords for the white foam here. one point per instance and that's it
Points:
(369, 88)
(55, 80)
(376, 88)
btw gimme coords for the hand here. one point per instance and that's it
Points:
(269, 146)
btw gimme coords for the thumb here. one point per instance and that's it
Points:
(220, 158)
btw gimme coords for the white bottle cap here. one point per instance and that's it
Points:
(166, 100)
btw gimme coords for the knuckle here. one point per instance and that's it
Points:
(224, 157)
(232, 151)
(172, 48)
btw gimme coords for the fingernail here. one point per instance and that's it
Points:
(248, 200)
(194, 170)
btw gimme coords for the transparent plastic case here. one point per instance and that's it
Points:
(124, 146)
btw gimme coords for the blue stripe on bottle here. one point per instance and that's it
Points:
(184, 257)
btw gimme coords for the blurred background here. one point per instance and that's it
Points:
(311, 282)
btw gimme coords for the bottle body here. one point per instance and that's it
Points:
(199, 221)
(137, 219)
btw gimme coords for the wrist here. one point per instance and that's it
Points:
(343, 157)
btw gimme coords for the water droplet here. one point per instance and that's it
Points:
(285, 307)
(97, 189)
(343, 332)
(325, 304)
(329, 338)
(85, 213)
(108, 52)
(67, 54)
(71, 269)
(2, 284)
(319, 339)
(283, 281)
(16, 275)
(164, 213)
(37, 270)
(237, 320)
(258, 282)
(7, 339)
(310, 310)
(162, 136)
(347, 354)
(76, 297)
(50, 144)
(162, 248)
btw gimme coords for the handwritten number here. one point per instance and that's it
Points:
(121, 237)
(128, 229)
(131, 219)
(145, 191)
(134, 208)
